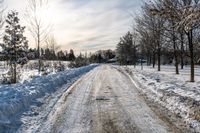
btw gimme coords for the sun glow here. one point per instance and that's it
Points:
(49, 13)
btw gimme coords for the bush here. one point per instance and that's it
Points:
(60, 67)
(7, 78)
(79, 62)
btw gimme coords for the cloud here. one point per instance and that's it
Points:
(88, 25)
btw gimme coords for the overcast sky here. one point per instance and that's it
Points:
(86, 25)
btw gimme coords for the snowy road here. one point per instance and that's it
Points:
(103, 101)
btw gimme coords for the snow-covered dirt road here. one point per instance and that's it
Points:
(103, 101)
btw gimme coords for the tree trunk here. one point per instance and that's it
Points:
(182, 51)
(154, 59)
(38, 41)
(15, 73)
(147, 61)
(176, 61)
(15, 65)
(148, 56)
(190, 40)
(150, 59)
(175, 52)
(141, 62)
(159, 54)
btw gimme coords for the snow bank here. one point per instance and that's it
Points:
(14, 99)
(171, 91)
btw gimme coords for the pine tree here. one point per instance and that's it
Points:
(126, 51)
(15, 46)
(71, 55)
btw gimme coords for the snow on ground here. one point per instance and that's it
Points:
(15, 99)
(172, 91)
(28, 71)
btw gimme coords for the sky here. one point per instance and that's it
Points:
(84, 25)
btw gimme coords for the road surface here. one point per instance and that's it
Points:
(103, 101)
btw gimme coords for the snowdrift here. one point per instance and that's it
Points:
(15, 99)
(171, 91)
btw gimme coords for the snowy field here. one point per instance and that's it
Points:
(174, 92)
(28, 71)
(18, 98)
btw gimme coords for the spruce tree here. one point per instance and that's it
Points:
(15, 46)
(126, 51)
(71, 55)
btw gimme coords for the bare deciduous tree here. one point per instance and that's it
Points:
(38, 28)
(51, 43)
(153, 26)
(185, 14)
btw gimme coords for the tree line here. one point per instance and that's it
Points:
(49, 54)
(100, 56)
(166, 32)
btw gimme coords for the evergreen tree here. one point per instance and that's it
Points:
(66, 56)
(15, 46)
(100, 58)
(126, 51)
(79, 61)
(61, 55)
(71, 55)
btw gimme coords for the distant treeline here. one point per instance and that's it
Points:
(48, 54)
